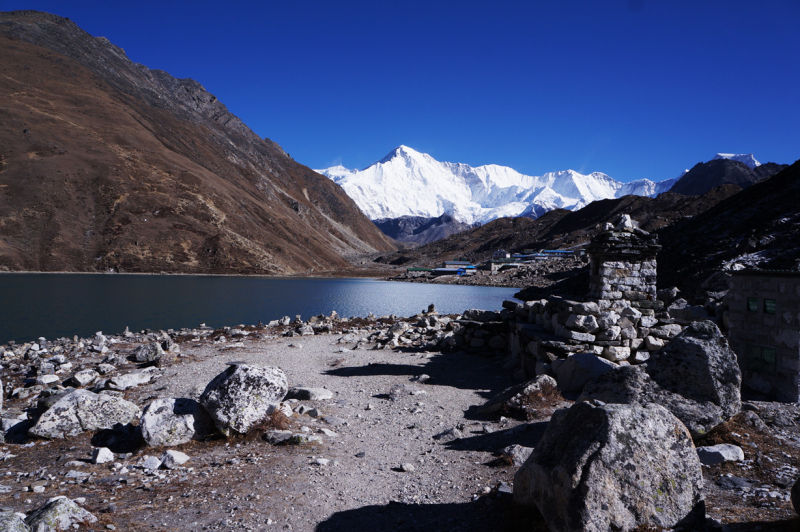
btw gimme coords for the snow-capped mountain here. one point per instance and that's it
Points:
(409, 183)
(746, 158)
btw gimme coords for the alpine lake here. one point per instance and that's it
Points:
(34, 305)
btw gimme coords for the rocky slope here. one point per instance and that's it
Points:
(419, 229)
(760, 226)
(106, 164)
(391, 433)
(559, 228)
(721, 171)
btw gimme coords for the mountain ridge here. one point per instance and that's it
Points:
(108, 165)
(410, 183)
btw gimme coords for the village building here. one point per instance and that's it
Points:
(764, 330)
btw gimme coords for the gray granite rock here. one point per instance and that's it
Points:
(242, 395)
(82, 410)
(171, 421)
(612, 467)
(696, 377)
(58, 514)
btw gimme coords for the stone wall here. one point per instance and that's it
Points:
(547, 331)
(764, 330)
(623, 266)
(620, 320)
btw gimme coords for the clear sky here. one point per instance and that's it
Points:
(632, 88)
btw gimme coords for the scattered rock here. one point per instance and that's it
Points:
(150, 462)
(276, 437)
(579, 368)
(173, 459)
(407, 468)
(102, 455)
(129, 380)
(716, 454)
(84, 377)
(58, 514)
(175, 421)
(518, 454)
(11, 522)
(612, 467)
(82, 410)
(148, 352)
(513, 398)
(309, 394)
(243, 395)
(449, 435)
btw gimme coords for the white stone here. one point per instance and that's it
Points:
(616, 354)
(82, 410)
(653, 344)
(102, 455)
(129, 380)
(171, 421)
(716, 454)
(172, 459)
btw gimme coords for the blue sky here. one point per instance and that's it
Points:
(632, 88)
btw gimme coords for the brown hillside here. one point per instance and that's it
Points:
(105, 164)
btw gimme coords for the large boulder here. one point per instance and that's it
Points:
(243, 395)
(82, 410)
(58, 514)
(612, 467)
(148, 352)
(580, 368)
(175, 421)
(696, 377)
(11, 522)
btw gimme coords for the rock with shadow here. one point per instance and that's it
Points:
(696, 377)
(602, 467)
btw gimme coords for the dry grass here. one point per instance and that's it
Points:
(535, 406)
(277, 420)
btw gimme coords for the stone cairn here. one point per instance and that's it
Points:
(620, 320)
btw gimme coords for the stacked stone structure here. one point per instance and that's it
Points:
(764, 330)
(620, 319)
(623, 266)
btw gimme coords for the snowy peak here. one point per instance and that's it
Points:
(409, 183)
(747, 158)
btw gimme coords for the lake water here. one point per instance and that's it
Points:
(57, 305)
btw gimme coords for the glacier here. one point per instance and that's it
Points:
(409, 183)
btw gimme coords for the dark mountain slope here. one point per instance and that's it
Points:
(560, 228)
(420, 229)
(106, 164)
(759, 226)
(705, 176)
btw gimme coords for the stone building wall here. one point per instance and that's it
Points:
(764, 330)
(623, 266)
(620, 320)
